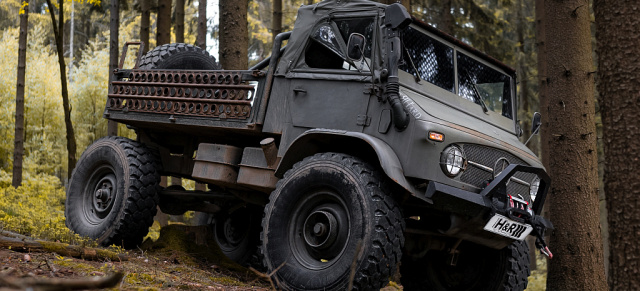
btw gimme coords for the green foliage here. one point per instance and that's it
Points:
(35, 209)
(538, 278)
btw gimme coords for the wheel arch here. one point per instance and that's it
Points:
(357, 144)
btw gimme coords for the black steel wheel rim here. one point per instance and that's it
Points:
(231, 231)
(319, 229)
(99, 194)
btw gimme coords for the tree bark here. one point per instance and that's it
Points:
(201, 39)
(179, 28)
(234, 37)
(570, 135)
(525, 106)
(617, 25)
(163, 23)
(145, 23)
(406, 4)
(58, 30)
(276, 21)
(114, 47)
(447, 23)
(18, 137)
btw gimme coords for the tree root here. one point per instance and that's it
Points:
(21, 243)
(51, 284)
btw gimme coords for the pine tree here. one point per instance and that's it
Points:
(234, 37)
(18, 148)
(58, 30)
(570, 136)
(163, 23)
(201, 39)
(179, 25)
(617, 27)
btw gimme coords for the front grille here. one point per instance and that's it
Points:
(487, 156)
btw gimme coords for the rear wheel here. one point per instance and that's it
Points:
(112, 194)
(476, 268)
(236, 231)
(330, 224)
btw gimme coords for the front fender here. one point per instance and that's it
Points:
(355, 143)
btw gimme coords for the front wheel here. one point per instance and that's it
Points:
(330, 224)
(112, 194)
(476, 268)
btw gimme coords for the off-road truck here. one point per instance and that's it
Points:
(371, 139)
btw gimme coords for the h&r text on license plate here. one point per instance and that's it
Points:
(506, 227)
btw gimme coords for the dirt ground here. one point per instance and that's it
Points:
(182, 258)
(141, 271)
(173, 262)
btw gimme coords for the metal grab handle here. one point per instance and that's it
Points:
(299, 90)
(124, 53)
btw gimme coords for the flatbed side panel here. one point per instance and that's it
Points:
(223, 99)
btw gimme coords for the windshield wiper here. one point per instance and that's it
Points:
(416, 75)
(482, 103)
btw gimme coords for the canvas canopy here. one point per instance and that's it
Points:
(308, 18)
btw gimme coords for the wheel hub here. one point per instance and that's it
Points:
(320, 229)
(104, 194)
(232, 235)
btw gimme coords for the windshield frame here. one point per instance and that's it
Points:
(453, 99)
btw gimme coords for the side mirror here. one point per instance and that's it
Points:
(355, 46)
(396, 16)
(535, 126)
(535, 123)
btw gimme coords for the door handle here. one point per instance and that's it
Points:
(299, 91)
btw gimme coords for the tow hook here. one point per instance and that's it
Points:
(542, 245)
(539, 227)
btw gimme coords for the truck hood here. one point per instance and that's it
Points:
(429, 109)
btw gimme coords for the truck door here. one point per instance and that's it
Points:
(327, 91)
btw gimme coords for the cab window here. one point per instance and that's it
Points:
(327, 45)
(492, 85)
(432, 59)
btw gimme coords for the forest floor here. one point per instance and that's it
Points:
(176, 261)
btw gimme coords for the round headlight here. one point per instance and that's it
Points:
(533, 189)
(452, 161)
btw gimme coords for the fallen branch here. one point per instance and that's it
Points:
(22, 243)
(52, 284)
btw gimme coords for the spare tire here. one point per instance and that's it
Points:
(179, 56)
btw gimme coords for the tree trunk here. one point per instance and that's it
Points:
(114, 47)
(276, 23)
(447, 23)
(58, 30)
(406, 4)
(18, 137)
(525, 105)
(201, 39)
(179, 28)
(163, 23)
(617, 25)
(570, 135)
(234, 38)
(145, 23)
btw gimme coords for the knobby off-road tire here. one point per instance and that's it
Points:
(478, 268)
(236, 231)
(113, 192)
(179, 56)
(330, 223)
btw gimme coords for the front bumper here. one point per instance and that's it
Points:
(473, 210)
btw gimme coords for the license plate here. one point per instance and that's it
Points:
(506, 227)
